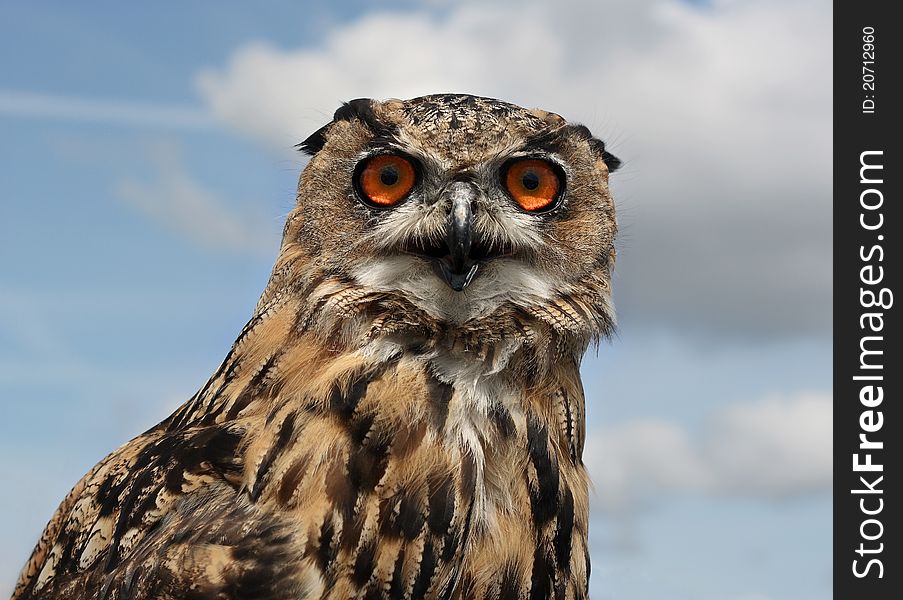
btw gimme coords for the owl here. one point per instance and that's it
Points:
(402, 416)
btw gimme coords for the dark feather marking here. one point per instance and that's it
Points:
(452, 543)
(209, 412)
(138, 485)
(286, 432)
(359, 426)
(542, 577)
(364, 563)
(352, 529)
(344, 499)
(509, 585)
(325, 552)
(502, 420)
(68, 551)
(410, 517)
(292, 479)
(489, 350)
(338, 489)
(106, 496)
(408, 439)
(367, 464)
(345, 402)
(447, 591)
(468, 477)
(397, 585)
(369, 456)
(543, 495)
(546, 140)
(372, 593)
(400, 516)
(440, 395)
(247, 394)
(276, 410)
(467, 587)
(569, 426)
(315, 141)
(213, 448)
(564, 531)
(441, 504)
(162, 462)
(425, 572)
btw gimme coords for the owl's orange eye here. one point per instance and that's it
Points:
(386, 179)
(534, 184)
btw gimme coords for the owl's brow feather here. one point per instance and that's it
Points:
(552, 141)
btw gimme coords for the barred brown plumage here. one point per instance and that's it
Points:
(402, 417)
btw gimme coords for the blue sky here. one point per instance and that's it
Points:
(147, 167)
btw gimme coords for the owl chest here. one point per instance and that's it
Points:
(528, 532)
(418, 486)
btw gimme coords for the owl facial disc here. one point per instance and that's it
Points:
(459, 207)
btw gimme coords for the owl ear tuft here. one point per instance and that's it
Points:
(598, 146)
(360, 109)
(611, 161)
(314, 142)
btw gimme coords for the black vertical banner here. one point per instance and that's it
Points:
(868, 372)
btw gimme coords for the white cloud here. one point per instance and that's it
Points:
(185, 206)
(776, 447)
(280, 97)
(773, 448)
(723, 112)
(637, 461)
(17, 103)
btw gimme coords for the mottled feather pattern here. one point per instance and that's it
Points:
(353, 443)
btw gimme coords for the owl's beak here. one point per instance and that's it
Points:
(458, 268)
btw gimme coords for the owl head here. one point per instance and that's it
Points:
(467, 209)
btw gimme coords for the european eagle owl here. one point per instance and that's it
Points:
(402, 416)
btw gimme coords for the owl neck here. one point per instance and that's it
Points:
(316, 326)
